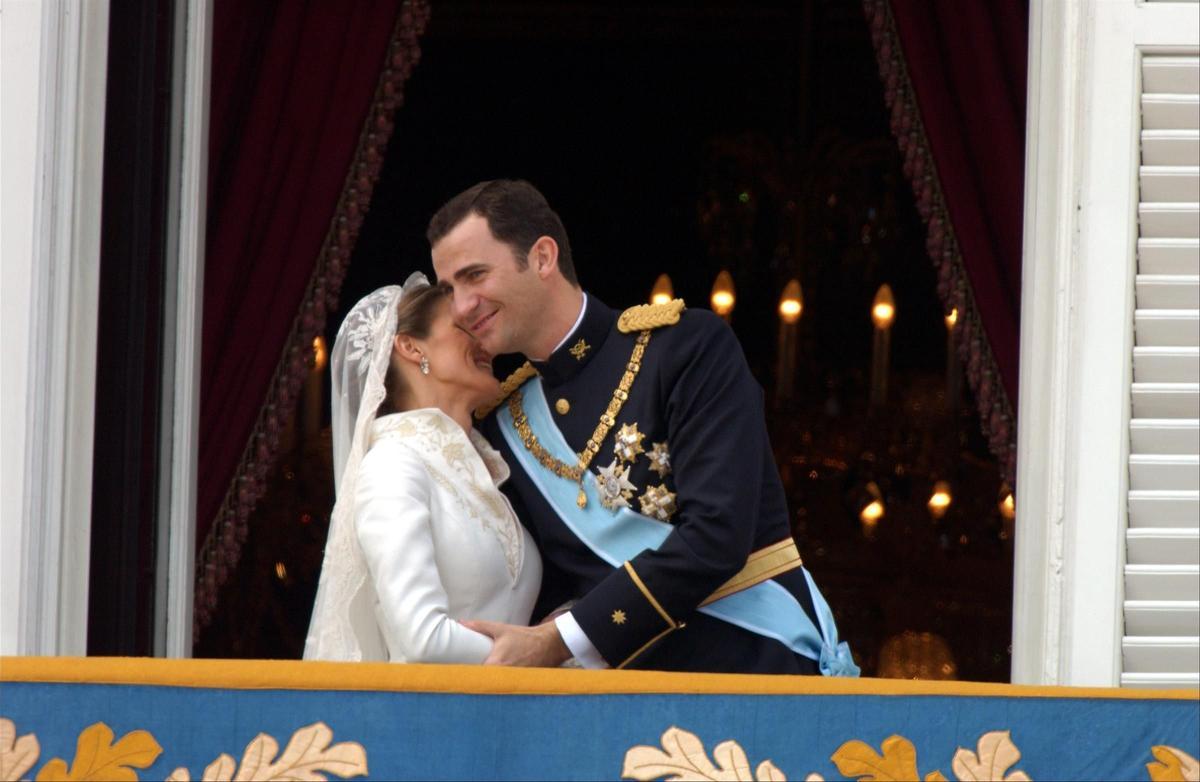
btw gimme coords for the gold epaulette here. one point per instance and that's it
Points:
(510, 384)
(644, 317)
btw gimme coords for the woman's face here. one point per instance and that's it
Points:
(457, 359)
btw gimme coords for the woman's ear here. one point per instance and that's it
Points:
(407, 349)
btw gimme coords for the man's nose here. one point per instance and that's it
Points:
(462, 305)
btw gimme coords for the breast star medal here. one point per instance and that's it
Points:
(628, 442)
(618, 617)
(613, 484)
(660, 460)
(658, 503)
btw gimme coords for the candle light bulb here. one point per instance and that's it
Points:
(939, 501)
(1008, 507)
(722, 294)
(791, 304)
(952, 319)
(883, 309)
(320, 355)
(662, 292)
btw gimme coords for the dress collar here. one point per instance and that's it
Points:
(580, 346)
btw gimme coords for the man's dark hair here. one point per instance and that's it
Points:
(517, 214)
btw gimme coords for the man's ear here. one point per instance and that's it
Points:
(404, 347)
(543, 256)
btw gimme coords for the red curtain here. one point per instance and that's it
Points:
(301, 105)
(954, 78)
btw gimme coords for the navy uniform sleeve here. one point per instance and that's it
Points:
(717, 435)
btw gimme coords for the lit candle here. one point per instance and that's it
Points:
(791, 305)
(939, 501)
(722, 295)
(662, 293)
(953, 387)
(312, 390)
(873, 511)
(883, 313)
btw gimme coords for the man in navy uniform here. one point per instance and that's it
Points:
(640, 463)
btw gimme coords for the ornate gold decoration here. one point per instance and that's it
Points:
(580, 349)
(97, 757)
(660, 459)
(614, 487)
(307, 756)
(607, 420)
(682, 757)
(562, 406)
(628, 442)
(618, 617)
(658, 503)
(645, 317)
(1174, 765)
(767, 562)
(17, 755)
(510, 384)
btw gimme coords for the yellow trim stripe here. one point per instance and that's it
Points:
(761, 565)
(646, 646)
(493, 680)
(637, 581)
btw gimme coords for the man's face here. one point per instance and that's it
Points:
(493, 299)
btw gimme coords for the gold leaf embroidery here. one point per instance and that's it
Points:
(97, 757)
(898, 761)
(1174, 765)
(994, 755)
(682, 758)
(17, 755)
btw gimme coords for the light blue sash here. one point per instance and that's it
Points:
(618, 536)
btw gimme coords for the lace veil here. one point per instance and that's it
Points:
(358, 364)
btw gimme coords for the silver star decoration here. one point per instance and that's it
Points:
(660, 459)
(613, 484)
(628, 442)
(658, 503)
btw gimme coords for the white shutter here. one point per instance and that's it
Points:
(1161, 644)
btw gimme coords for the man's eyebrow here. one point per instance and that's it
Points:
(464, 271)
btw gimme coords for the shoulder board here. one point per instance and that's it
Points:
(510, 384)
(644, 317)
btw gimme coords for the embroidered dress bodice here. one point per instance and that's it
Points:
(440, 540)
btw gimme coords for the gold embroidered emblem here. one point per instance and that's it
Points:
(658, 503)
(628, 442)
(580, 349)
(562, 406)
(660, 459)
(618, 617)
(614, 486)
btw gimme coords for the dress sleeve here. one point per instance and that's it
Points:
(392, 516)
(717, 432)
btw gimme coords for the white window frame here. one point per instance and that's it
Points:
(1077, 329)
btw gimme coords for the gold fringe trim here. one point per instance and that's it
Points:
(644, 317)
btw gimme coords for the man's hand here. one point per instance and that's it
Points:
(532, 647)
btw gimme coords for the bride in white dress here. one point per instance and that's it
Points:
(421, 537)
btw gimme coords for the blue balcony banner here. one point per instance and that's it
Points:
(121, 718)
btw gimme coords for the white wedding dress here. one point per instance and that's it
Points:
(440, 541)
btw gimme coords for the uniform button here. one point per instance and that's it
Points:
(562, 406)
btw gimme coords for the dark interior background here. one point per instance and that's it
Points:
(686, 138)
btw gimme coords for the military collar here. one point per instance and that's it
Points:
(579, 348)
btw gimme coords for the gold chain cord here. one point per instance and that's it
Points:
(575, 472)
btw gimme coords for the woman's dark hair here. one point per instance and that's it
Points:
(517, 214)
(414, 317)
